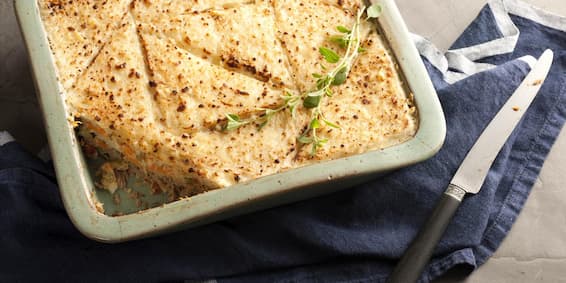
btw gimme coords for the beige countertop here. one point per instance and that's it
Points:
(535, 250)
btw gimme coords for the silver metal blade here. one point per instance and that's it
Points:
(473, 170)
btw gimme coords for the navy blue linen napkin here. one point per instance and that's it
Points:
(355, 235)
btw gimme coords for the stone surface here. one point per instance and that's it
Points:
(20, 113)
(535, 250)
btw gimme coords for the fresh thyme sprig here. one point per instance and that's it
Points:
(349, 39)
(290, 100)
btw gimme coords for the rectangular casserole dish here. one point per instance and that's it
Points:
(79, 194)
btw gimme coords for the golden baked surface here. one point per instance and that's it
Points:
(153, 80)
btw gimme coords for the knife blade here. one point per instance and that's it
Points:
(471, 174)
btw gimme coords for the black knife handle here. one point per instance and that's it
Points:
(417, 256)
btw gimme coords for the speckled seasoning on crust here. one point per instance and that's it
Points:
(156, 79)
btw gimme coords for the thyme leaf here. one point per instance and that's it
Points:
(329, 55)
(234, 122)
(340, 76)
(343, 29)
(312, 101)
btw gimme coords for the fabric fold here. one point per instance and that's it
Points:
(464, 58)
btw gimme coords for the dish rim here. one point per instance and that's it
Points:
(77, 188)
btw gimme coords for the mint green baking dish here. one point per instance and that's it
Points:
(77, 187)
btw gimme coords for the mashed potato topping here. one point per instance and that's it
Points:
(151, 82)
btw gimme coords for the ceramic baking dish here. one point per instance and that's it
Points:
(77, 187)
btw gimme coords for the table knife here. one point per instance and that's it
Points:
(471, 174)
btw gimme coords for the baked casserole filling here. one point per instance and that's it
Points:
(204, 94)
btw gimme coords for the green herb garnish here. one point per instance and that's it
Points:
(349, 39)
(234, 122)
(290, 100)
(313, 139)
(329, 55)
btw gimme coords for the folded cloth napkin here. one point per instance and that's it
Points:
(354, 235)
